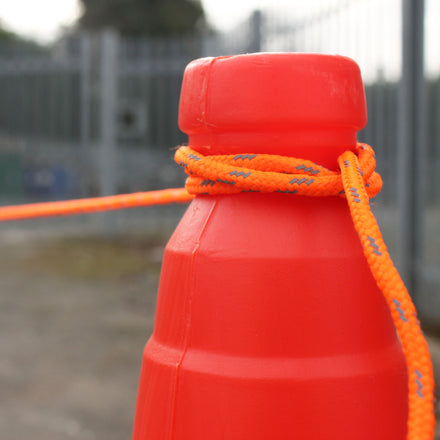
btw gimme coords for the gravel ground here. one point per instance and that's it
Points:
(72, 327)
(71, 346)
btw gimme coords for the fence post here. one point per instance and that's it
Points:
(108, 110)
(411, 146)
(85, 91)
(256, 31)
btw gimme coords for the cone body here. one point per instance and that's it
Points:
(269, 324)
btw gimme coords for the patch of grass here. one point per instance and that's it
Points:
(98, 258)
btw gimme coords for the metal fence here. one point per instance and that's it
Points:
(72, 97)
(95, 107)
(97, 113)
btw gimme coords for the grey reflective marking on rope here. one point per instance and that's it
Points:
(228, 182)
(286, 191)
(355, 195)
(245, 156)
(240, 173)
(419, 383)
(194, 157)
(374, 245)
(346, 163)
(309, 170)
(301, 181)
(208, 182)
(401, 312)
(418, 322)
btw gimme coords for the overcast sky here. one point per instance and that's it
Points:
(42, 19)
(39, 19)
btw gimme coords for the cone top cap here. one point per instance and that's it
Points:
(276, 88)
(272, 92)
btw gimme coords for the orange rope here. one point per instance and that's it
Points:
(357, 182)
(421, 420)
(85, 206)
(270, 173)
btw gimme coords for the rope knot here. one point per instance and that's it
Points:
(230, 174)
(357, 182)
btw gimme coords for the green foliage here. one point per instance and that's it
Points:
(144, 17)
(12, 43)
(6, 35)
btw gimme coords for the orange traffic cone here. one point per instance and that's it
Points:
(269, 323)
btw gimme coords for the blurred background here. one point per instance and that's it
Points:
(89, 94)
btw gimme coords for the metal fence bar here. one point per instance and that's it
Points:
(256, 31)
(108, 143)
(411, 148)
(85, 91)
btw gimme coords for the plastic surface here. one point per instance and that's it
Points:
(269, 324)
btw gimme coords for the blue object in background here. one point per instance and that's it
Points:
(54, 183)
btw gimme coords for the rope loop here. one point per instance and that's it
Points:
(357, 182)
(230, 174)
